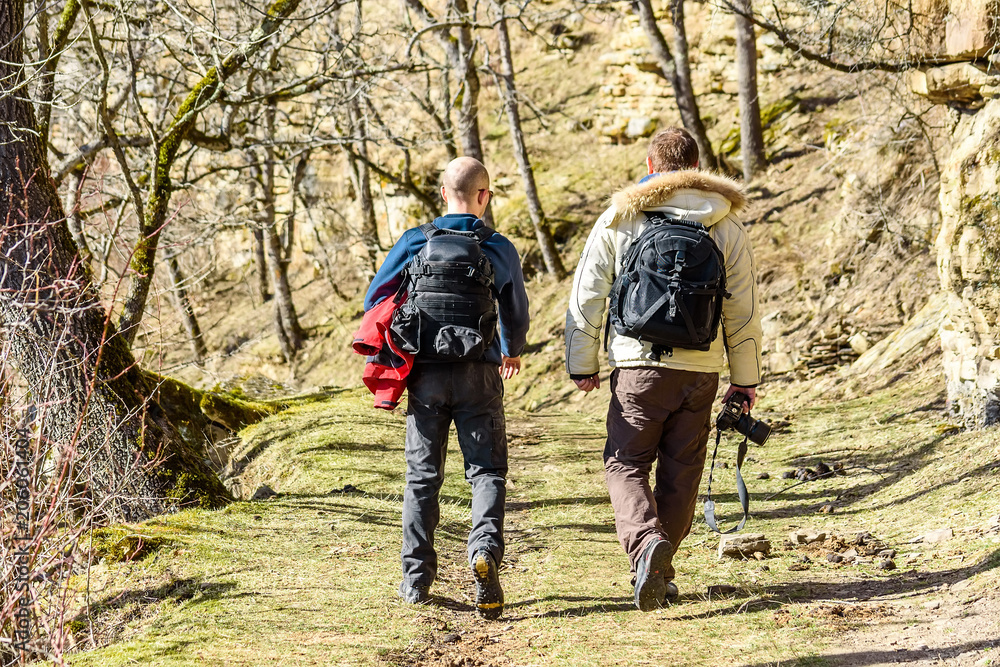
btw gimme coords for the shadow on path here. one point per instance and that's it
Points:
(598, 606)
(862, 658)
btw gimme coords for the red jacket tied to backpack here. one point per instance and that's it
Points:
(388, 366)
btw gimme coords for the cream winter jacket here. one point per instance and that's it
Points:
(700, 196)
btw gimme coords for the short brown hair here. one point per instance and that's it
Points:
(673, 149)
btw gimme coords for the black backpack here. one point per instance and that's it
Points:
(671, 287)
(450, 311)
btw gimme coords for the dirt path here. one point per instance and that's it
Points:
(940, 626)
(309, 577)
(916, 615)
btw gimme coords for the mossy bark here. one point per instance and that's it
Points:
(234, 413)
(200, 410)
(204, 93)
(93, 398)
(50, 54)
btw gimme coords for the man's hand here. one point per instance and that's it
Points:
(751, 393)
(588, 385)
(509, 367)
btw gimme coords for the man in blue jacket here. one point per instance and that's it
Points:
(470, 393)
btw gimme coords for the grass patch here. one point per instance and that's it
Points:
(309, 576)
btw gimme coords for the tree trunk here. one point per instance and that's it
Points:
(287, 319)
(463, 61)
(363, 184)
(687, 103)
(751, 132)
(184, 308)
(550, 254)
(446, 124)
(260, 261)
(465, 66)
(288, 238)
(679, 75)
(49, 54)
(74, 219)
(270, 260)
(74, 361)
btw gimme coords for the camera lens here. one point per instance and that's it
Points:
(759, 432)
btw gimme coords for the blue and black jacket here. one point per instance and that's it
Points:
(512, 304)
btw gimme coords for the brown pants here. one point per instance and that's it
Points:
(661, 415)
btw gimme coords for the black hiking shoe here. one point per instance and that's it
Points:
(671, 594)
(414, 594)
(650, 588)
(489, 595)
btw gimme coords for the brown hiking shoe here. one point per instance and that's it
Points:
(650, 587)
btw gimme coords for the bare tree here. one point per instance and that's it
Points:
(751, 131)
(360, 174)
(286, 322)
(153, 210)
(60, 338)
(678, 72)
(547, 246)
(849, 36)
(461, 56)
(358, 170)
(184, 307)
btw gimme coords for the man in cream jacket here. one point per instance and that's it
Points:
(660, 410)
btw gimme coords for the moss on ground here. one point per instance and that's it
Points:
(120, 543)
(309, 577)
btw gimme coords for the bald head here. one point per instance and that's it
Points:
(465, 186)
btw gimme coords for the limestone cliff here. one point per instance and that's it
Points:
(968, 255)
(968, 245)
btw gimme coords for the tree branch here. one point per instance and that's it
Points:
(858, 66)
(205, 93)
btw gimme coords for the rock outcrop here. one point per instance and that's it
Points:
(971, 29)
(968, 255)
(968, 244)
(969, 43)
(634, 93)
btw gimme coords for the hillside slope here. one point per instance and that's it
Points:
(842, 221)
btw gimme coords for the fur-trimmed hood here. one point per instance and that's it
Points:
(689, 194)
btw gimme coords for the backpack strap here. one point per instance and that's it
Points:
(741, 488)
(404, 284)
(483, 233)
(661, 218)
(428, 229)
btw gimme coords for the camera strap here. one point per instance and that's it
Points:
(741, 488)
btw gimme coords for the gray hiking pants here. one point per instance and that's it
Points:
(471, 395)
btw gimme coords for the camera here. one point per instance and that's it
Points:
(732, 417)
